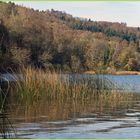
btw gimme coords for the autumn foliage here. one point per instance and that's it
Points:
(56, 40)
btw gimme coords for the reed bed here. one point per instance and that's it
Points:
(64, 94)
(36, 84)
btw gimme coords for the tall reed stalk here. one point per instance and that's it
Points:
(6, 128)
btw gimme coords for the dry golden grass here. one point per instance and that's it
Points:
(37, 84)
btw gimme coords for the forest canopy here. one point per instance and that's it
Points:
(57, 40)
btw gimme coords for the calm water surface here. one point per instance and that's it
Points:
(90, 118)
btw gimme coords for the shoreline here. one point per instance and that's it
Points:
(91, 72)
(116, 73)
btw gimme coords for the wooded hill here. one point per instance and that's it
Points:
(56, 40)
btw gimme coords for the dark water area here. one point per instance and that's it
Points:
(109, 116)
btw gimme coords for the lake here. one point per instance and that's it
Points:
(111, 116)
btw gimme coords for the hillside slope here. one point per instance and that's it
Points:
(56, 40)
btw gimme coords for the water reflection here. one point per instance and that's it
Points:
(100, 117)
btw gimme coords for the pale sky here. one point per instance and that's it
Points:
(128, 12)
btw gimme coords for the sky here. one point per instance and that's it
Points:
(127, 12)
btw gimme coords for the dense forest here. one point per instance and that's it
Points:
(57, 40)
